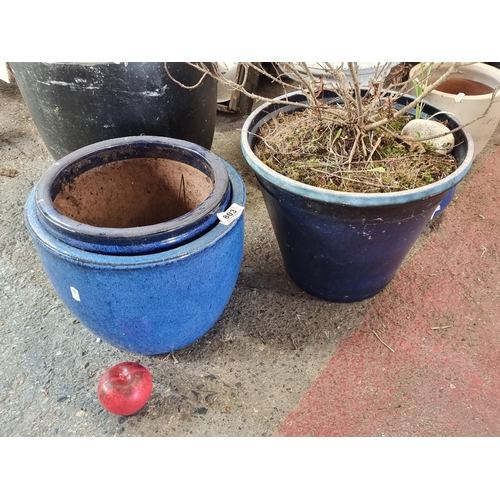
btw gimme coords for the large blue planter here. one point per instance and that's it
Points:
(152, 298)
(339, 246)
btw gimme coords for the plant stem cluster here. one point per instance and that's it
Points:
(351, 142)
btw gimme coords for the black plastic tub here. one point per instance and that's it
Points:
(77, 104)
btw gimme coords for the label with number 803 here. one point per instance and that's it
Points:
(231, 214)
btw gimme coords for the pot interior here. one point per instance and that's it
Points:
(474, 80)
(133, 192)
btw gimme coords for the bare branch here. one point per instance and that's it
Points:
(353, 68)
(417, 100)
(189, 87)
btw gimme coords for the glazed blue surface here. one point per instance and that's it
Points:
(147, 303)
(444, 202)
(343, 253)
(345, 247)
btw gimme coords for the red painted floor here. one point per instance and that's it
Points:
(441, 317)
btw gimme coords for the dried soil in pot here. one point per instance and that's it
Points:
(133, 193)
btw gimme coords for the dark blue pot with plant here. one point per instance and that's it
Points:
(342, 246)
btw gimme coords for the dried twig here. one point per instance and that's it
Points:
(388, 347)
(8, 172)
(182, 85)
(175, 360)
(417, 100)
(377, 144)
(353, 68)
(350, 131)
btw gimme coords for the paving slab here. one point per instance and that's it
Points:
(272, 364)
(424, 360)
(240, 379)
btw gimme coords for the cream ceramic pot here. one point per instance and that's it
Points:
(468, 107)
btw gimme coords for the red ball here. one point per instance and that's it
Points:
(125, 388)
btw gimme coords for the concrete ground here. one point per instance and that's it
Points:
(278, 362)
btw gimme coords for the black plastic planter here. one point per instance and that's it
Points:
(77, 104)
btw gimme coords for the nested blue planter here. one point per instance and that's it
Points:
(157, 285)
(338, 246)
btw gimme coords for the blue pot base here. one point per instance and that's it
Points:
(343, 254)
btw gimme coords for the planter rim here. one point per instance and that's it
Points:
(316, 69)
(493, 72)
(124, 262)
(79, 63)
(347, 198)
(123, 236)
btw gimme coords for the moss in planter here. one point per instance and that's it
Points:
(318, 152)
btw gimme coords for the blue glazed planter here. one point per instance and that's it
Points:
(145, 302)
(338, 246)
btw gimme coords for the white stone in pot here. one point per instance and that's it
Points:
(426, 129)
